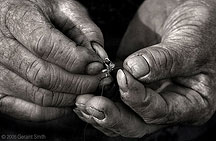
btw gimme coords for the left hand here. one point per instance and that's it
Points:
(46, 57)
(183, 63)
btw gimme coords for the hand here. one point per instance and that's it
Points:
(45, 53)
(183, 63)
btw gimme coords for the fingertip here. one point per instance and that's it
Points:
(98, 102)
(122, 80)
(103, 110)
(99, 115)
(81, 101)
(100, 122)
(137, 65)
(99, 50)
(132, 90)
(94, 68)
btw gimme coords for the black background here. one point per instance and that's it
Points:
(112, 16)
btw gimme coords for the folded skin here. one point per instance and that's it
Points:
(178, 54)
(46, 57)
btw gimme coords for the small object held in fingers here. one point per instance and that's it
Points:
(109, 66)
(111, 90)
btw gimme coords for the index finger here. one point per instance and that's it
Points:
(178, 102)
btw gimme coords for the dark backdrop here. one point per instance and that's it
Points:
(112, 16)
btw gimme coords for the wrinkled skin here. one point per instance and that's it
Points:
(46, 57)
(170, 43)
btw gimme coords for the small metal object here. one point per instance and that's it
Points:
(109, 66)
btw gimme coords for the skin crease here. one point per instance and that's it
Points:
(174, 48)
(46, 62)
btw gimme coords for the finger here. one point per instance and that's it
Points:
(88, 118)
(117, 118)
(101, 53)
(44, 74)
(84, 115)
(81, 111)
(74, 21)
(144, 101)
(204, 87)
(157, 62)
(13, 85)
(173, 105)
(145, 28)
(93, 68)
(81, 101)
(182, 51)
(99, 50)
(28, 24)
(23, 110)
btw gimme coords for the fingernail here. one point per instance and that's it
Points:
(80, 106)
(122, 80)
(99, 50)
(138, 66)
(81, 113)
(96, 113)
(86, 115)
(77, 111)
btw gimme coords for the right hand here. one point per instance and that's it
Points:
(182, 64)
(41, 69)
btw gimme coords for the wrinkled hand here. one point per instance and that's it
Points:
(183, 63)
(45, 54)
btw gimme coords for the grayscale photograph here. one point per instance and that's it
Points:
(107, 70)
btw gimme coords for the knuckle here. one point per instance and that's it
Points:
(205, 99)
(20, 12)
(65, 99)
(86, 85)
(78, 87)
(39, 74)
(4, 7)
(40, 78)
(47, 98)
(78, 59)
(42, 45)
(43, 97)
(52, 99)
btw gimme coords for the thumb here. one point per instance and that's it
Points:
(161, 61)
